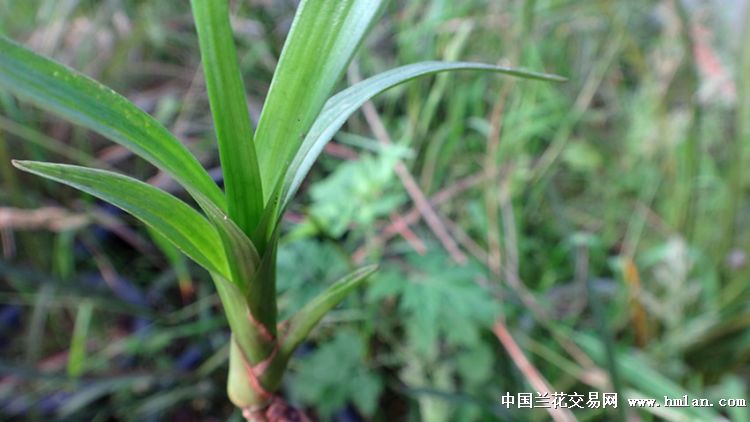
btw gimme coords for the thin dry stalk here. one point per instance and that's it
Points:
(536, 379)
(514, 281)
(466, 241)
(509, 227)
(494, 260)
(412, 188)
(408, 234)
(45, 218)
(413, 215)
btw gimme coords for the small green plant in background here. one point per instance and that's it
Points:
(236, 236)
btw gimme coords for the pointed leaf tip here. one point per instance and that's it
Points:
(81, 100)
(303, 322)
(185, 227)
(342, 105)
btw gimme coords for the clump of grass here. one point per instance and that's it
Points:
(236, 236)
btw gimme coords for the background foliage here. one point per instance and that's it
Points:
(607, 215)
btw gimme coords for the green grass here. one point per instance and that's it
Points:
(237, 242)
(622, 164)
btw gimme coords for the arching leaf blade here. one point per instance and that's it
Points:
(187, 229)
(300, 324)
(80, 99)
(342, 105)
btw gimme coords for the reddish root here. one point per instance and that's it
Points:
(277, 411)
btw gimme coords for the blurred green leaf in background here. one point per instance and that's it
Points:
(603, 221)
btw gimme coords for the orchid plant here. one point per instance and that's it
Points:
(233, 233)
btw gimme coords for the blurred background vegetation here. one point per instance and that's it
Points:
(599, 229)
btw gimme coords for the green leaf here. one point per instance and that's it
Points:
(308, 317)
(733, 387)
(239, 388)
(321, 42)
(249, 340)
(357, 193)
(244, 260)
(175, 220)
(263, 298)
(439, 303)
(638, 373)
(249, 346)
(77, 351)
(226, 94)
(335, 374)
(319, 258)
(82, 100)
(342, 105)
(269, 223)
